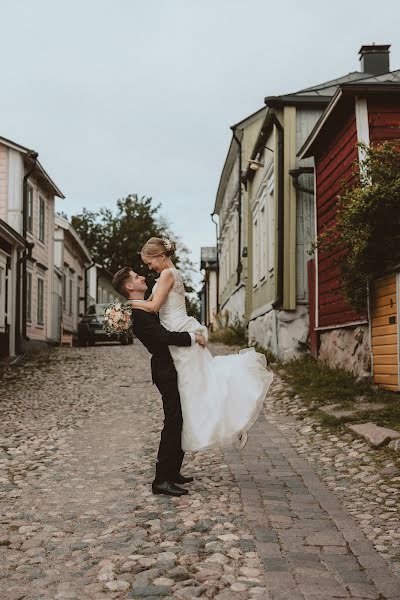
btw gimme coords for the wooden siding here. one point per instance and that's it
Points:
(3, 182)
(334, 168)
(305, 121)
(384, 118)
(384, 334)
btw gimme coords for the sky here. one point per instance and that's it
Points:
(138, 96)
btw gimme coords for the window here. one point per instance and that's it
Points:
(70, 296)
(256, 257)
(78, 300)
(271, 224)
(262, 244)
(29, 297)
(29, 211)
(64, 290)
(2, 295)
(42, 210)
(40, 301)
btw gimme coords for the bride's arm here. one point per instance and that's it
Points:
(153, 305)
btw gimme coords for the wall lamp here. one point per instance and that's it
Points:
(256, 164)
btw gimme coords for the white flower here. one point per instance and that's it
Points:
(167, 243)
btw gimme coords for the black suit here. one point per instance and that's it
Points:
(146, 326)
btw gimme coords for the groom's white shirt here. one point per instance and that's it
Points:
(192, 335)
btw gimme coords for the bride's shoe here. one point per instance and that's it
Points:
(241, 442)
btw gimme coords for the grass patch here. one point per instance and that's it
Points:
(234, 334)
(317, 385)
(269, 355)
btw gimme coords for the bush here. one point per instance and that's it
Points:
(365, 235)
(233, 334)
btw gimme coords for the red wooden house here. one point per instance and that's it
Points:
(367, 110)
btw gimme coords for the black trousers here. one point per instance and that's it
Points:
(170, 453)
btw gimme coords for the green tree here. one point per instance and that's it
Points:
(115, 238)
(365, 237)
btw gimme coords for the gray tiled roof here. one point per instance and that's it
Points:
(328, 88)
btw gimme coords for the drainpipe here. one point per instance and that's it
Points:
(89, 266)
(239, 267)
(34, 157)
(217, 250)
(21, 266)
(295, 174)
(274, 119)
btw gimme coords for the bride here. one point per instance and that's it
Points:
(221, 397)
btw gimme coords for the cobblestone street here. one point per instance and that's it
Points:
(279, 520)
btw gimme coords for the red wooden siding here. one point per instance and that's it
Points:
(334, 167)
(384, 118)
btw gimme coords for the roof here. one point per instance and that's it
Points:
(237, 130)
(389, 83)
(67, 226)
(13, 234)
(31, 153)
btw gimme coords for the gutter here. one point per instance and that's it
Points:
(295, 174)
(239, 267)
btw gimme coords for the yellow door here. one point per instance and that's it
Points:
(384, 332)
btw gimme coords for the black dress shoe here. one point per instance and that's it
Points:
(182, 479)
(168, 488)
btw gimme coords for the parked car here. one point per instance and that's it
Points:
(90, 328)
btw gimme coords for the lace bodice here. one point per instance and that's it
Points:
(179, 286)
(175, 304)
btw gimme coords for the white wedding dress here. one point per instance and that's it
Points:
(221, 396)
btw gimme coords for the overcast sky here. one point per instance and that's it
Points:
(125, 96)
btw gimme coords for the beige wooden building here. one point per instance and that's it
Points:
(27, 196)
(71, 263)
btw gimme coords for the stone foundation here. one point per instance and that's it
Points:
(30, 346)
(283, 332)
(347, 348)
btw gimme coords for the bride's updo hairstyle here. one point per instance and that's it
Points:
(156, 246)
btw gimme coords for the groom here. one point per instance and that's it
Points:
(146, 326)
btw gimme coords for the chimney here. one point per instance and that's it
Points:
(374, 59)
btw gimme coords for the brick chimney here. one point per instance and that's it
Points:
(374, 59)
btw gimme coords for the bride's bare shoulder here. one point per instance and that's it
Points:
(166, 276)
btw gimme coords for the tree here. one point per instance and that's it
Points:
(366, 233)
(115, 238)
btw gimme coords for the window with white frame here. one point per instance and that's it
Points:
(256, 256)
(78, 300)
(29, 296)
(232, 247)
(3, 308)
(64, 289)
(40, 301)
(42, 218)
(70, 293)
(262, 242)
(29, 211)
(271, 223)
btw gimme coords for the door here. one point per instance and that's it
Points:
(384, 331)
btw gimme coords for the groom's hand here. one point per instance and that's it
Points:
(200, 339)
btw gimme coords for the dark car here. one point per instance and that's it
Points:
(90, 328)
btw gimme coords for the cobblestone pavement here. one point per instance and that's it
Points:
(78, 439)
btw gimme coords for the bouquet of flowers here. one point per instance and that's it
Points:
(117, 318)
